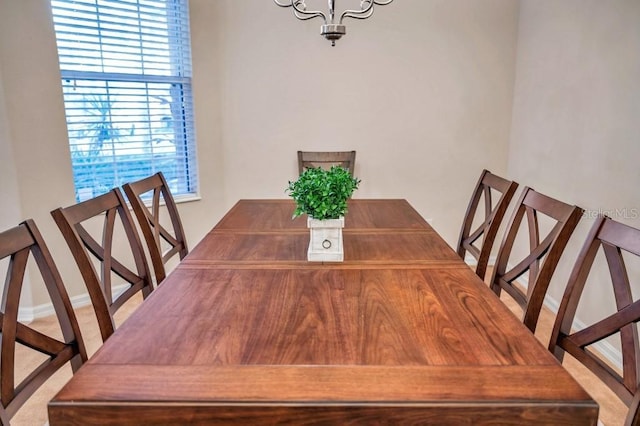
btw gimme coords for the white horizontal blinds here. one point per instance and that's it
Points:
(149, 37)
(126, 76)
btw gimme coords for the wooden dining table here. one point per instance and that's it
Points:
(246, 331)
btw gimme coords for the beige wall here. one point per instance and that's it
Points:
(422, 91)
(576, 115)
(10, 208)
(10, 213)
(37, 177)
(35, 125)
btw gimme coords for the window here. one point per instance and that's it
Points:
(126, 79)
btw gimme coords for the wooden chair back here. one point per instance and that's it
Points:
(488, 185)
(85, 249)
(155, 190)
(18, 244)
(613, 238)
(543, 256)
(308, 159)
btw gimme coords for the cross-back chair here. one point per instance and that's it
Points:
(308, 159)
(613, 238)
(542, 257)
(85, 249)
(488, 185)
(19, 244)
(156, 235)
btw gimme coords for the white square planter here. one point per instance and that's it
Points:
(325, 244)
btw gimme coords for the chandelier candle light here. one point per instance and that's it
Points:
(331, 30)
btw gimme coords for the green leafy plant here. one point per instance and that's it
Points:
(322, 194)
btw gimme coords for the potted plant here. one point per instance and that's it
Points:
(322, 195)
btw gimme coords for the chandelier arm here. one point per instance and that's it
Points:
(356, 14)
(302, 14)
(305, 16)
(365, 11)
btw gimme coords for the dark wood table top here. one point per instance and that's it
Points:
(246, 331)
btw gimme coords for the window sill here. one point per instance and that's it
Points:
(187, 199)
(177, 200)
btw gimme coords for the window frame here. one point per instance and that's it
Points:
(181, 105)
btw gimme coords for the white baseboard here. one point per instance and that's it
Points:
(27, 315)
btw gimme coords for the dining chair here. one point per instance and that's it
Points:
(74, 223)
(155, 190)
(615, 239)
(20, 244)
(487, 186)
(308, 159)
(543, 256)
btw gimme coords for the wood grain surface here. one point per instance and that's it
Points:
(246, 331)
(268, 215)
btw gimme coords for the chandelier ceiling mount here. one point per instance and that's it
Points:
(332, 29)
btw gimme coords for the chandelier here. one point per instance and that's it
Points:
(332, 30)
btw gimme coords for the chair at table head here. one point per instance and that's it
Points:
(308, 159)
(542, 257)
(613, 239)
(488, 185)
(74, 223)
(19, 244)
(156, 190)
